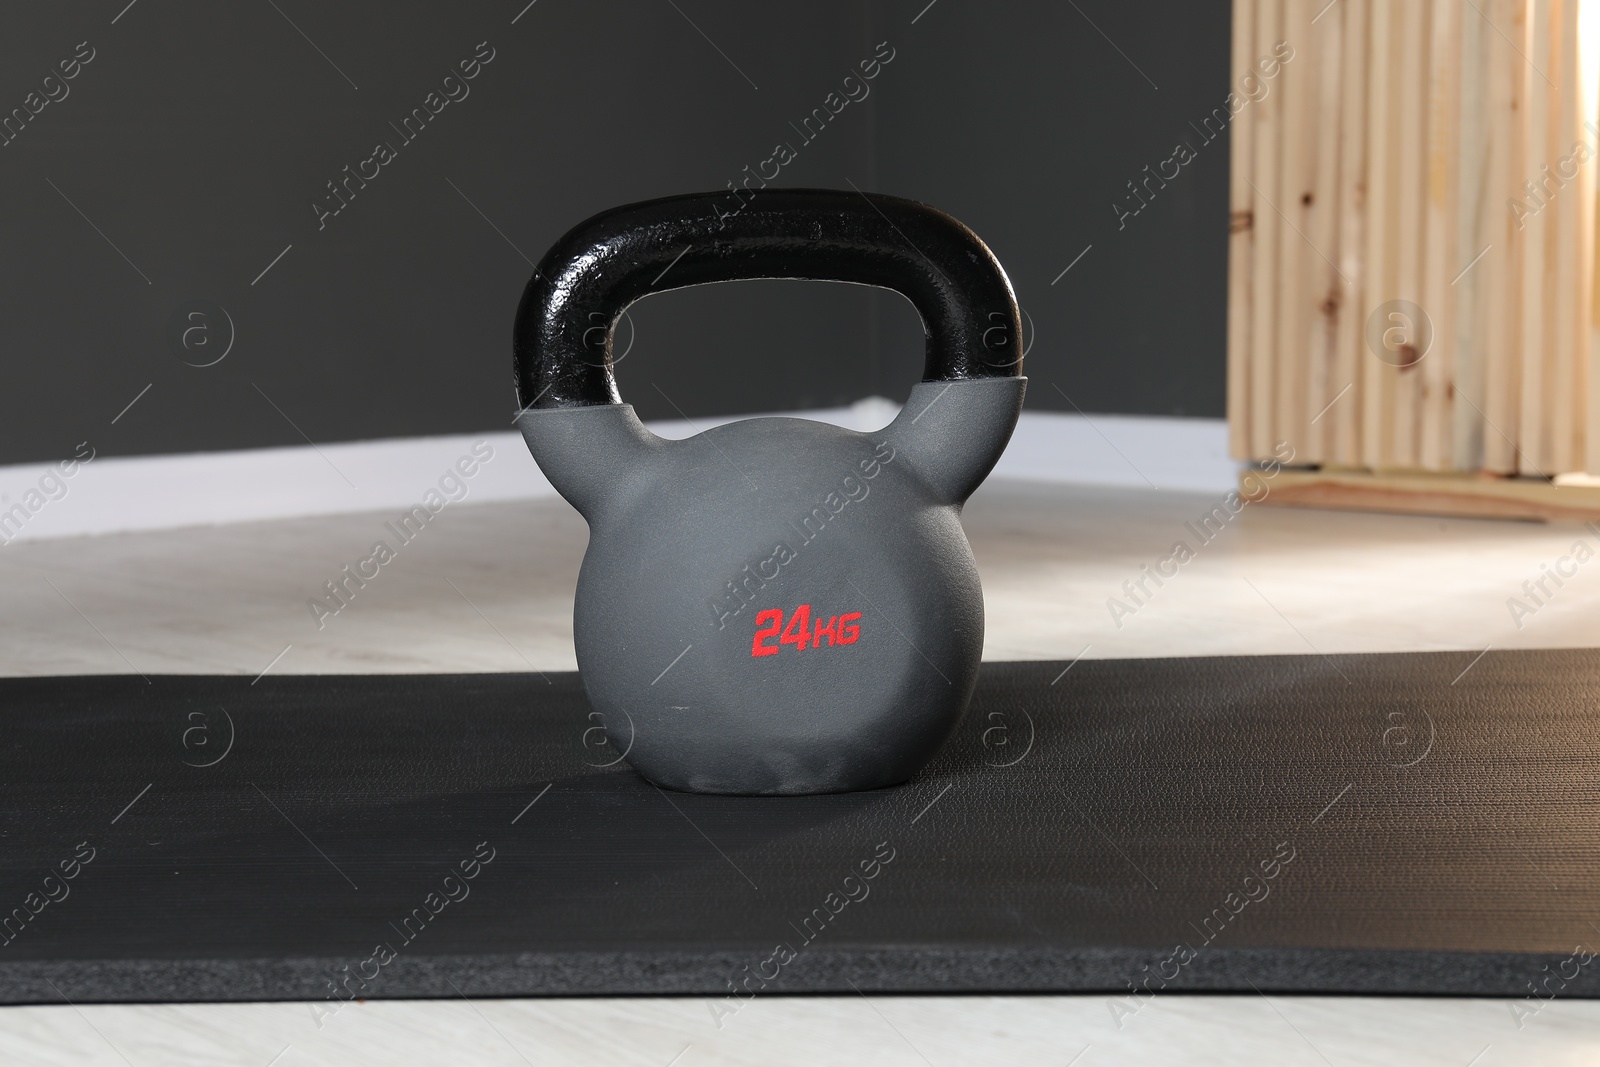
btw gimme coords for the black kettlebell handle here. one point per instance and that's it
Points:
(569, 310)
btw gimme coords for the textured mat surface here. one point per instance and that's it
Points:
(1378, 823)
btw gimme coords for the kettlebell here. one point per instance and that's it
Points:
(774, 606)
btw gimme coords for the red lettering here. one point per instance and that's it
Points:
(797, 633)
(801, 632)
(774, 616)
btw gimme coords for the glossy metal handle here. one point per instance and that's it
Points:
(563, 335)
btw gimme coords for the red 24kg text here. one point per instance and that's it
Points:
(801, 632)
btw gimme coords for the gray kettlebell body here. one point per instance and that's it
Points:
(776, 606)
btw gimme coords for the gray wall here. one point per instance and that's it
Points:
(187, 154)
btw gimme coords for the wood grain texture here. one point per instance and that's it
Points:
(1589, 61)
(1325, 284)
(1265, 299)
(1504, 161)
(1241, 234)
(1422, 154)
(1437, 493)
(1537, 257)
(1297, 95)
(1570, 225)
(1382, 243)
(1351, 351)
(1441, 221)
(1412, 48)
(1473, 245)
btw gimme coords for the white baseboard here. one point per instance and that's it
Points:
(1137, 451)
(112, 495)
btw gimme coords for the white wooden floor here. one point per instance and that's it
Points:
(489, 587)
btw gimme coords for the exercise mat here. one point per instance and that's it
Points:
(1419, 823)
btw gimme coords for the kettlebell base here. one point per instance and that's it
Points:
(885, 752)
(785, 789)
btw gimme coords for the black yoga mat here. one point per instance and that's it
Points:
(1377, 823)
